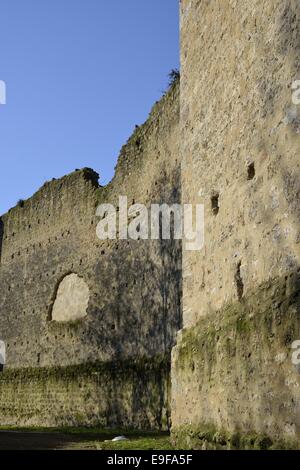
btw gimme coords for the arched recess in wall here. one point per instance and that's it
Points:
(70, 300)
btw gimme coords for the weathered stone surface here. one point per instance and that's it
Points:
(134, 306)
(232, 371)
(233, 381)
(129, 394)
(240, 152)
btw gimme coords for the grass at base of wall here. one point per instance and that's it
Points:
(84, 430)
(142, 443)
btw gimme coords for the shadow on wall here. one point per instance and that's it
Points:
(144, 314)
(146, 317)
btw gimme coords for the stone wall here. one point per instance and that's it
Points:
(128, 394)
(134, 286)
(240, 152)
(237, 140)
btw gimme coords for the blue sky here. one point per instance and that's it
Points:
(80, 74)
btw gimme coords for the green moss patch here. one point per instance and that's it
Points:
(140, 366)
(208, 437)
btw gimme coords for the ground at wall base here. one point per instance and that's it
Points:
(67, 438)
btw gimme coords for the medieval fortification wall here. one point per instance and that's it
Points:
(235, 148)
(233, 381)
(110, 367)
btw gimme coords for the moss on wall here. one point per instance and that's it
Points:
(233, 371)
(209, 437)
(130, 394)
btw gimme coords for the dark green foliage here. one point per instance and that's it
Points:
(174, 77)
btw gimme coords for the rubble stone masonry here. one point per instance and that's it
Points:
(233, 381)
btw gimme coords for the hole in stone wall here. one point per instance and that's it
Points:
(239, 281)
(215, 203)
(2, 355)
(70, 300)
(251, 171)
